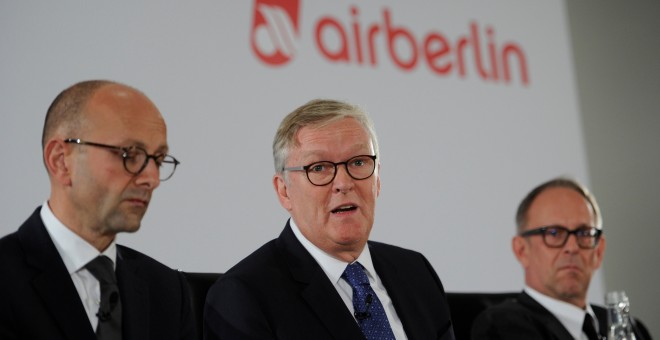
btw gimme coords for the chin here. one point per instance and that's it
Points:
(352, 234)
(128, 227)
(351, 240)
(572, 291)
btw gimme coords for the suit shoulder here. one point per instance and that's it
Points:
(506, 308)
(11, 243)
(392, 249)
(8, 243)
(396, 255)
(258, 272)
(12, 253)
(508, 320)
(258, 262)
(141, 261)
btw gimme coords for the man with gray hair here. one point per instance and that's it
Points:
(322, 278)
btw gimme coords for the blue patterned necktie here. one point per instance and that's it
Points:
(369, 311)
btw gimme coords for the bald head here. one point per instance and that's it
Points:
(95, 189)
(66, 113)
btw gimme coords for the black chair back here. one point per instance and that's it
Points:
(464, 308)
(198, 285)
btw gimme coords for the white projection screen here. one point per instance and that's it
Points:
(474, 104)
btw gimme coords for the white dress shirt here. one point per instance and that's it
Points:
(334, 268)
(76, 253)
(571, 316)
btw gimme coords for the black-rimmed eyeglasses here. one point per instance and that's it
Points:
(136, 158)
(555, 236)
(323, 172)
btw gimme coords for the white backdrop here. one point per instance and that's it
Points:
(458, 151)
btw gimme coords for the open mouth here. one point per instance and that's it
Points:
(343, 209)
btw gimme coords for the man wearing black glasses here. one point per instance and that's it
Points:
(322, 278)
(560, 244)
(105, 149)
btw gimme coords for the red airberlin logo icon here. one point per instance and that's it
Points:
(274, 30)
(478, 52)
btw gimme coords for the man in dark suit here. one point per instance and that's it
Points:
(558, 269)
(322, 278)
(65, 278)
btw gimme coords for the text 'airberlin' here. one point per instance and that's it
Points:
(276, 28)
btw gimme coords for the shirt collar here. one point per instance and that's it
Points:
(570, 316)
(73, 249)
(332, 267)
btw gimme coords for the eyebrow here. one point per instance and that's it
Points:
(162, 149)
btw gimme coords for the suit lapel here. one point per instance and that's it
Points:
(52, 281)
(399, 293)
(134, 294)
(553, 325)
(319, 293)
(601, 315)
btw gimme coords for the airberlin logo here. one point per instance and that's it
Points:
(276, 34)
(275, 30)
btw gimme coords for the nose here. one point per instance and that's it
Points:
(150, 175)
(343, 182)
(572, 244)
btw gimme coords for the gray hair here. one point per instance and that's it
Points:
(318, 112)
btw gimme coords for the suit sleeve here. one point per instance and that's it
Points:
(232, 312)
(7, 322)
(448, 332)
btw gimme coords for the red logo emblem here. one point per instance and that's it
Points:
(274, 30)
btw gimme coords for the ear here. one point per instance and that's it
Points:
(600, 251)
(378, 180)
(56, 161)
(282, 191)
(520, 249)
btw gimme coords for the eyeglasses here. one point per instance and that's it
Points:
(324, 172)
(555, 236)
(136, 158)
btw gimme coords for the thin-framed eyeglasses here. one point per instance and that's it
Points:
(555, 236)
(324, 172)
(136, 158)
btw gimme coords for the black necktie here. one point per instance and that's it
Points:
(588, 327)
(369, 311)
(109, 314)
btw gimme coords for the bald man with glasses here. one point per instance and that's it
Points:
(560, 244)
(64, 277)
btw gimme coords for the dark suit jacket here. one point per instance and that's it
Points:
(524, 318)
(280, 292)
(39, 301)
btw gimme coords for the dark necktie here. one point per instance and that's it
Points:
(109, 314)
(588, 327)
(369, 311)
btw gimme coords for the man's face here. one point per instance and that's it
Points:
(107, 199)
(562, 273)
(336, 217)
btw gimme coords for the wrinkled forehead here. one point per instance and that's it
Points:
(336, 135)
